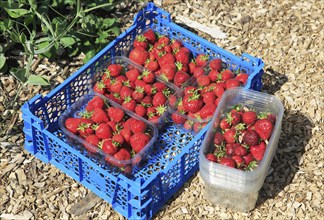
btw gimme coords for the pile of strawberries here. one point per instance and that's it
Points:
(241, 138)
(198, 102)
(109, 128)
(136, 90)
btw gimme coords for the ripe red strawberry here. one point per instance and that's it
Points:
(115, 69)
(114, 97)
(118, 138)
(103, 131)
(216, 64)
(198, 71)
(150, 36)
(230, 135)
(211, 157)
(166, 59)
(232, 83)
(249, 117)
(85, 128)
(177, 119)
(214, 75)
(152, 65)
(240, 150)
(126, 133)
(112, 125)
(160, 86)
(257, 151)
(209, 98)
(164, 40)
(167, 73)
(159, 99)
(138, 126)
(99, 116)
(154, 118)
(72, 124)
(116, 86)
(109, 147)
(122, 154)
(234, 118)
(193, 102)
(251, 138)
(218, 138)
(207, 111)
(139, 56)
(239, 161)
(182, 57)
(248, 159)
(167, 49)
(219, 89)
(138, 141)
(140, 41)
(147, 101)
(95, 102)
(201, 59)
(116, 114)
(125, 92)
(217, 101)
(140, 110)
(190, 90)
(224, 124)
(138, 94)
(93, 140)
(148, 76)
(203, 80)
(227, 161)
(129, 104)
(192, 66)
(133, 74)
(242, 77)
(172, 100)
(175, 44)
(100, 88)
(149, 89)
(180, 77)
(160, 110)
(229, 149)
(227, 74)
(271, 117)
(264, 128)
(140, 83)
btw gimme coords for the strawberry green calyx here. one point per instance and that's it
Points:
(116, 143)
(107, 74)
(263, 115)
(116, 95)
(128, 99)
(132, 153)
(240, 127)
(161, 53)
(119, 127)
(159, 35)
(101, 85)
(161, 109)
(146, 105)
(139, 89)
(229, 118)
(151, 115)
(182, 112)
(126, 83)
(175, 51)
(193, 61)
(205, 57)
(220, 154)
(94, 126)
(83, 126)
(238, 107)
(179, 65)
(86, 114)
(146, 72)
(166, 92)
(141, 38)
(164, 77)
(194, 96)
(252, 165)
(154, 90)
(150, 47)
(100, 144)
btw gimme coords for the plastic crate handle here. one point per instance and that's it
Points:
(152, 9)
(251, 59)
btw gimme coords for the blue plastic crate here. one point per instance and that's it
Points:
(175, 154)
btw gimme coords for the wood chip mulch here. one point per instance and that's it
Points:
(287, 35)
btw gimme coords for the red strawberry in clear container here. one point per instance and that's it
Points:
(159, 99)
(214, 75)
(164, 40)
(118, 138)
(85, 128)
(129, 104)
(193, 102)
(258, 151)
(182, 57)
(122, 154)
(138, 126)
(167, 73)
(99, 116)
(218, 138)
(116, 86)
(138, 141)
(188, 125)
(180, 78)
(125, 92)
(72, 124)
(227, 161)
(192, 66)
(240, 150)
(148, 76)
(211, 157)
(232, 83)
(251, 138)
(126, 133)
(227, 74)
(132, 74)
(95, 102)
(198, 71)
(207, 111)
(147, 101)
(175, 44)
(216, 64)
(182, 67)
(150, 36)
(140, 110)
(115, 69)
(166, 59)
(139, 56)
(203, 80)
(264, 128)
(152, 65)
(230, 135)
(224, 124)
(239, 161)
(140, 41)
(100, 88)
(234, 118)
(201, 59)
(109, 147)
(116, 114)
(209, 98)
(229, 149)
(177, 118)
(242, 77)
(138, 93)
(249, 117)
(93, 140)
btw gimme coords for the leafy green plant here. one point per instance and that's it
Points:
(51, 29)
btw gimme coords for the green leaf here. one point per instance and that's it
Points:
(16, 13)
(67, 41)
(89, 55)
(2, 60)
(19, 73)
(108, 22)
(115, 30)
(37, 80)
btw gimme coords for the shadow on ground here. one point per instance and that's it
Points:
(296, 133)
(272, 81)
